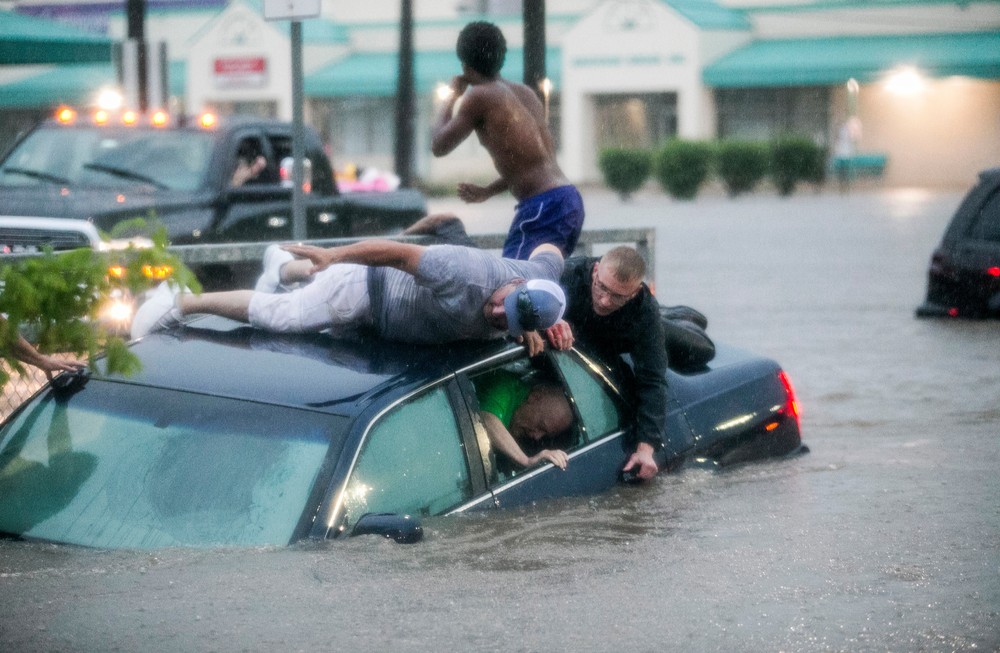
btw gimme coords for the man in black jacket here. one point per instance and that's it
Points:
(613, 313)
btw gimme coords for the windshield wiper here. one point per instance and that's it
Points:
(37, 174)
(126, 174)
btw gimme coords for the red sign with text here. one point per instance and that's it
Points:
(240, 72)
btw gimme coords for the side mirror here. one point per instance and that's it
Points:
(401, 528)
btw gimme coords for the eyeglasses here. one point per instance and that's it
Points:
(615, 298)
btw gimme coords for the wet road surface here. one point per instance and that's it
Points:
(886, 537)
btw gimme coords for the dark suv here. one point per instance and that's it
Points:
(964, 277)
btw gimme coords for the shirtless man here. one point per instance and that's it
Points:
(509, 120)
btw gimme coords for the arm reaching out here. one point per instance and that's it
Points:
(26, 353)
(402, 256)
(504, 442)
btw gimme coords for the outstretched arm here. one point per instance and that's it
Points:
(504, 442)
(26, 353)
(389, 253)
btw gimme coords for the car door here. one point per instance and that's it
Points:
(414, 458)
(594, 442)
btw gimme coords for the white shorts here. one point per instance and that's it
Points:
(336, 299)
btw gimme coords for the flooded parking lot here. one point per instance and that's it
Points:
(886, 537)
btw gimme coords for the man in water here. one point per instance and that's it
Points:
(509, 120)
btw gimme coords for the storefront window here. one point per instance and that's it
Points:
(763, 113)
(641, 120)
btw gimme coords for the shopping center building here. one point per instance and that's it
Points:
(914, 84)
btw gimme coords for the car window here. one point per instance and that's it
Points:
(412, 461)
(124, 466)
(598, 409)
(986, 225)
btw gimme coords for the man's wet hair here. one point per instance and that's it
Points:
(625, 263)
(482, 47)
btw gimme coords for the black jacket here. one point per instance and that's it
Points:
(633, 329)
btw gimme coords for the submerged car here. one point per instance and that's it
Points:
(964, 275)
(233, 436)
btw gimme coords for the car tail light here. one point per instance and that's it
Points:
(791, 403)
(993, 271)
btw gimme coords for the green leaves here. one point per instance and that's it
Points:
(56, 299)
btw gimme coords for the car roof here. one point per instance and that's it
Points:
(216, 356)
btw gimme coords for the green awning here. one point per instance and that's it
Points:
(706, 14)
(834, 60)
(30, 40)
(374, 73)
(73, 85)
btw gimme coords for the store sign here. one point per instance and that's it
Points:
(240, 72)
(290, 9)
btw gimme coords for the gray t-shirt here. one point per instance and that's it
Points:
(444, 301)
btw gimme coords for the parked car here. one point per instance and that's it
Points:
(233, 436)
(964, 276)
(207, 181)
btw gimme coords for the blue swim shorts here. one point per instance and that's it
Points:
(554, 216)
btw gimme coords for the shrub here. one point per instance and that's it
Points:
(741, 165)
(625, 170)
(793, 159)
(683, 166)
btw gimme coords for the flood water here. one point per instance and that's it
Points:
(886, 537)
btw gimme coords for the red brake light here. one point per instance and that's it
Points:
(792, 404)
(993, 271)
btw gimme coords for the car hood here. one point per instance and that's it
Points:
(104, 207)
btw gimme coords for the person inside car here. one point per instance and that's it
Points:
(514, 411)
(401, 291)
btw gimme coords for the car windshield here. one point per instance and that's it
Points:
(124, 466)
(118, 158)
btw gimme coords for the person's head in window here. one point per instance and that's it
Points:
(250, 162)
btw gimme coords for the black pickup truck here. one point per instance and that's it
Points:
(108, 169)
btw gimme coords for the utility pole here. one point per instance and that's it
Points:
(136, 10)
(405, 104)
(533, 17)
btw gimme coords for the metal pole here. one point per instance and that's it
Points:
(533, 16)
(136, 10)
(405, 97)
(298, 136)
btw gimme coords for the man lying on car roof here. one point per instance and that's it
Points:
(405, 292)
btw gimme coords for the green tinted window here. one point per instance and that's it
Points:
(597, 408)
(120, 466)
(412, 462)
